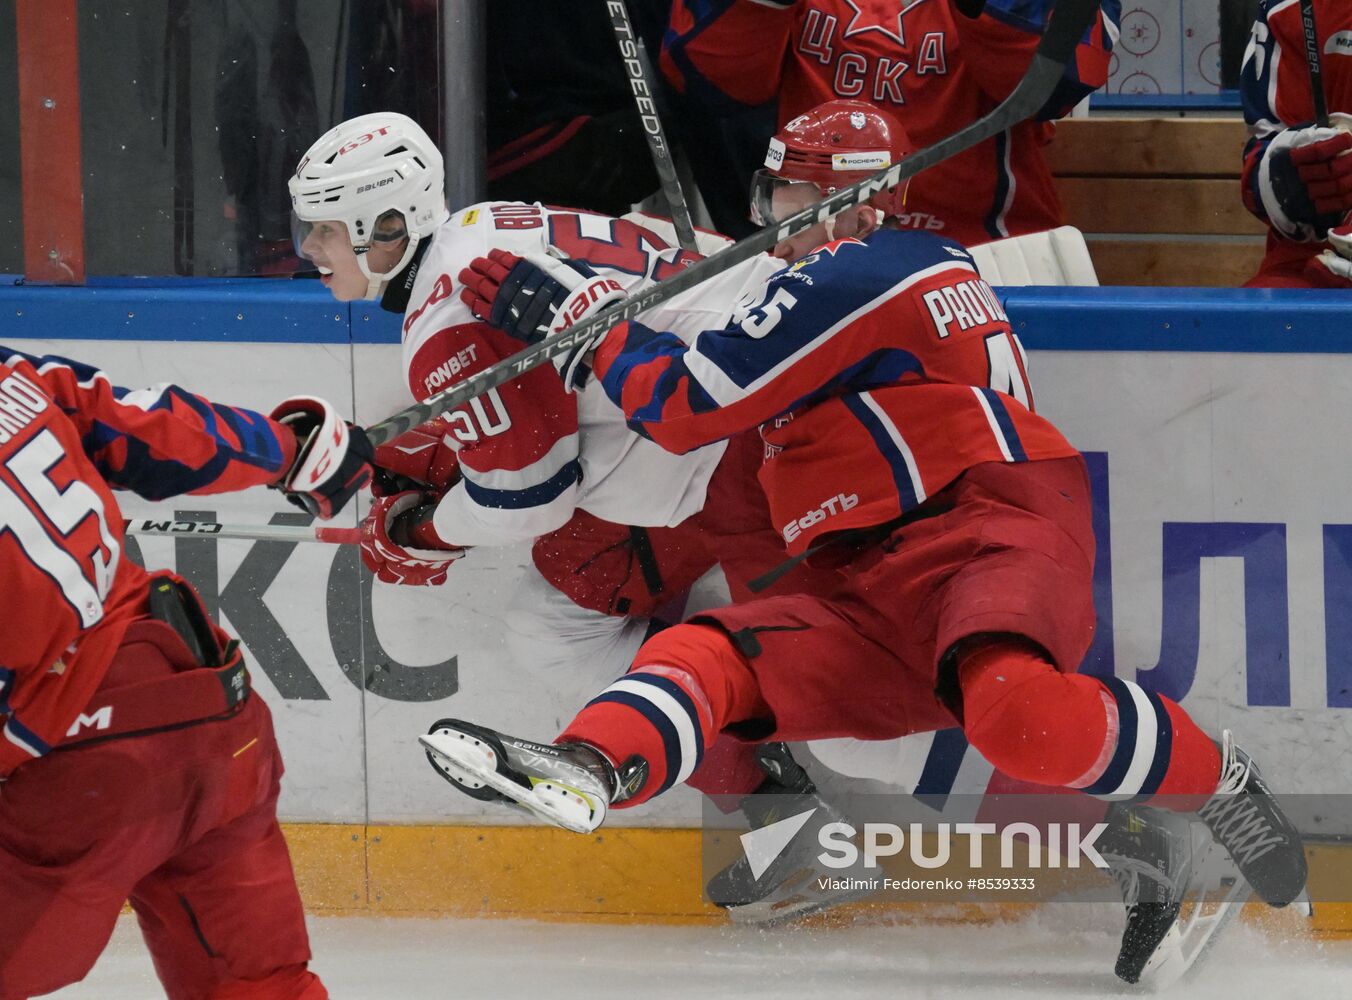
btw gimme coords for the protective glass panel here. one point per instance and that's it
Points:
(196, 112)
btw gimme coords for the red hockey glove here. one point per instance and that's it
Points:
(1305, 179)
(1333, 267)
(333, 457)
(530, 298)
(417, 459)
(406, 517)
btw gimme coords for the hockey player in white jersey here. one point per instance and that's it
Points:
(533, 460)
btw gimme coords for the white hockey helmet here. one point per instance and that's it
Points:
(364, 172)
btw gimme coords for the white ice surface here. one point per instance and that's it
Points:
(1065, 952)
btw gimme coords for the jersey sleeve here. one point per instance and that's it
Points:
(162, 441)
(727, 53)
(517, 444)
(838, 319)
(1008, 32)
(1259, 80)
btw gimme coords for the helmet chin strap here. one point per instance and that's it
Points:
(872, 221)
(376, 282)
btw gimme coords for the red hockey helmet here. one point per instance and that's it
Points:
(834, 144)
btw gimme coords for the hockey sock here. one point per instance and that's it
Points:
(1104, 737)
(686, 685)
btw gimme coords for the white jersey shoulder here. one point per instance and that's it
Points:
(625, 478)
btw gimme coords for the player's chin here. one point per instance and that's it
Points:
(791, 250)
(343, 291)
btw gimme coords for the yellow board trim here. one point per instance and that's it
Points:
(621, 875)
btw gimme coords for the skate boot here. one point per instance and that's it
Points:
(1246, 820)
(569, 785)
(789, 888)
(1159, 863)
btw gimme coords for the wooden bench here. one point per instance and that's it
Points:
(1158, 199)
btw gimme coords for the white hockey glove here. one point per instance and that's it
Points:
(1333, 267)
(531, 297)
(333, 457)
(1305, 179)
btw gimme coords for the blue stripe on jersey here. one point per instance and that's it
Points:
(901, 475)
(532, 496)
(641, 345)
(1164, 746)
(682, 698)
(148, 475)
(1126, 739)
(655, 717)
(1005, 423)
(6, 679)
(20, 735)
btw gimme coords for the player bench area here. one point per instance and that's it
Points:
(1158, 199)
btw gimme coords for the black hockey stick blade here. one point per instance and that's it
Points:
(1313, 61)
(1069, 21)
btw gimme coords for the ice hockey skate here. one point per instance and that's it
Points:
(1162, 862)
(1246, 820)
(570, 785)
(791, 887)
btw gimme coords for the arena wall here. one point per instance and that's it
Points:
(1215, 423)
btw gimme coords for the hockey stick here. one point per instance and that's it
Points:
(636, 65)
(1321, 110)
(1068, 23)
(256, 532)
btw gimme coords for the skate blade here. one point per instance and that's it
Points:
(1184, 949)
(545, 799)
(779, 912)
(461, 779)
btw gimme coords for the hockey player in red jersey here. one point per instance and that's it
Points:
(935, 65)
(1297, 175)
(902, 448)
(136, 762)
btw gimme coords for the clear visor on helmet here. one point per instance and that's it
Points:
(320, 238)
(775, 198)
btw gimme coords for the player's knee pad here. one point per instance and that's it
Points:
(1027, 718)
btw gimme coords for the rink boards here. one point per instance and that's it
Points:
(1221, 482)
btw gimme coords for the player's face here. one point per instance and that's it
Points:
(329, 248)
